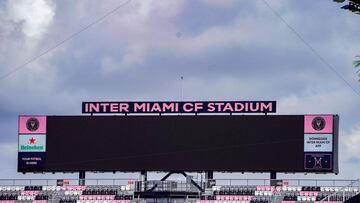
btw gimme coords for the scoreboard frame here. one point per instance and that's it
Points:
(35, 158)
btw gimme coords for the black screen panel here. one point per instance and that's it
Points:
(175, 143)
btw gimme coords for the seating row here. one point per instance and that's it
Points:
(37, 197)
(216, 201)
(97, 197)
(238, 201)
(13, 201)
(237, 192)
(99, 192)
(228, 190)
(103, 201)
(233, 197)
(64, 188)
(313, 202)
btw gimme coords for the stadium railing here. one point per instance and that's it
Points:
(220, 182)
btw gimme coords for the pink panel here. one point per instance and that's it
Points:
(314, 124)
(40, 129)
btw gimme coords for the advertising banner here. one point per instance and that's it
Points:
(32, 143)
(318, 142)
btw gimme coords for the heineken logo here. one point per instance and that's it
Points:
(31, 147)
(32, 143)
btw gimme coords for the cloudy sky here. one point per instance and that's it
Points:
(298, 53)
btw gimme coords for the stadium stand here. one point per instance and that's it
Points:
(217, 194)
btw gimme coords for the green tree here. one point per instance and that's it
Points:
(357, 65)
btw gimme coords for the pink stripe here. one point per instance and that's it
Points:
(23, 129)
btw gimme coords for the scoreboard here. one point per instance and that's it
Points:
(229, 143)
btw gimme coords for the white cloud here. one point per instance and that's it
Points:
(34, 15)
(352, 143)
(219, 3)
(110, 65)
(214, 37)
(8, 151)
(134, 54)
(23, 25)
(335, 101)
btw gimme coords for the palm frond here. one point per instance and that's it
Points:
(357, 62)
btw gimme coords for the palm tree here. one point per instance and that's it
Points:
(357, 65)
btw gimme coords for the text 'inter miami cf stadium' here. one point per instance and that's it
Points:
(182, 138)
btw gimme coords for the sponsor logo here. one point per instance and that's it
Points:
(318, 123)
(32, 143)
(32, 146)
(32, 124)
(32, 140)
(318, 142)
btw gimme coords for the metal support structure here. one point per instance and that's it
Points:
(272, 175)
(209, 175)
(81, 177)
(177, 172)
(143, 178)
(209, 179)
(193, 182)
(273, 181)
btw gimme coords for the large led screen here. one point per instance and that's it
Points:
(237, 143)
